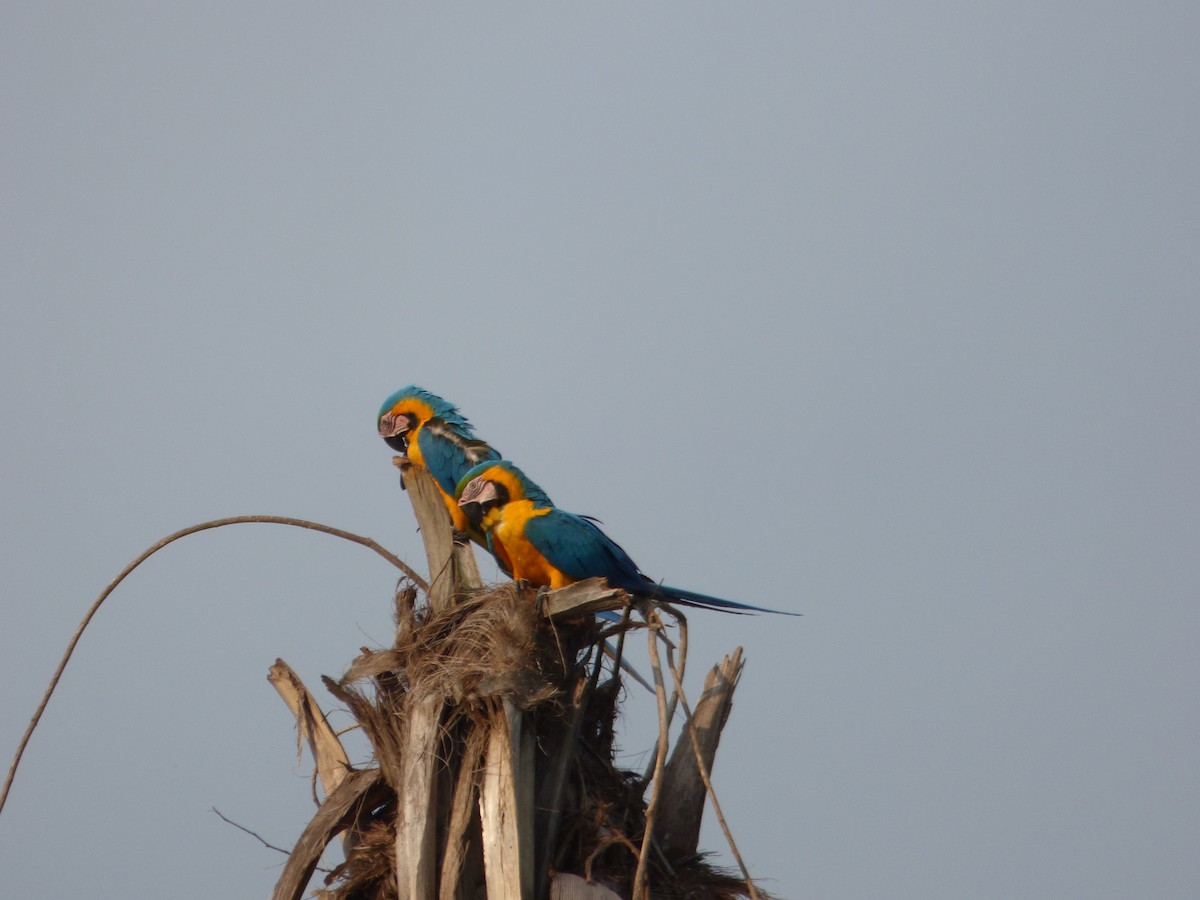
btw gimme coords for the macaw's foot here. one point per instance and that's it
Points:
(460, 537)
(539, 601)
(523, 585)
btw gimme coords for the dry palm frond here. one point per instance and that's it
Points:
(489, 648)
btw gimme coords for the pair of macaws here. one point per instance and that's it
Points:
(493, 502)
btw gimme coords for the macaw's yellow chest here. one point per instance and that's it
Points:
(416, 458)
(528, 563)
(413, 448)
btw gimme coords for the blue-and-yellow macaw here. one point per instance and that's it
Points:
(544, 545)
(431, 433)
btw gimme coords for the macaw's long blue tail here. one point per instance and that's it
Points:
(683, 597)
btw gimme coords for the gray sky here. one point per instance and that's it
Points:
(883, 314)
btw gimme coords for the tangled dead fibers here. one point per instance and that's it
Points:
(489, 655)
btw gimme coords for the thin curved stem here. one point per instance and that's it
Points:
(150, 551)
(681, 623)
(640, 890)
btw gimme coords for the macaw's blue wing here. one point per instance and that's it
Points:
(576, 547)
(449, 454)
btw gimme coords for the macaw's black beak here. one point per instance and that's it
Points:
(474, 514)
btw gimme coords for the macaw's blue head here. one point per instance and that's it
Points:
(492, 485)
(403, 414)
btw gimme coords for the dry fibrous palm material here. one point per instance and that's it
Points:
(492, 729)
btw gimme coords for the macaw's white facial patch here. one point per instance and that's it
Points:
(392, 425)
(478, 490)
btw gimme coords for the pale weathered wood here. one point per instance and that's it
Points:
(416, 814)
(466, 568)
(329, 756)
(506, 807)
(358, 791)
(437, 531)
(522, 736)
(583, 598)
(495, 814)
(677, 829)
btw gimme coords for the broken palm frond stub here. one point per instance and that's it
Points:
(492, 724)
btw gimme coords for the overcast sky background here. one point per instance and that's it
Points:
(883, 313)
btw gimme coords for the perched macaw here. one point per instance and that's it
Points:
(434, 435)
(541, 544)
